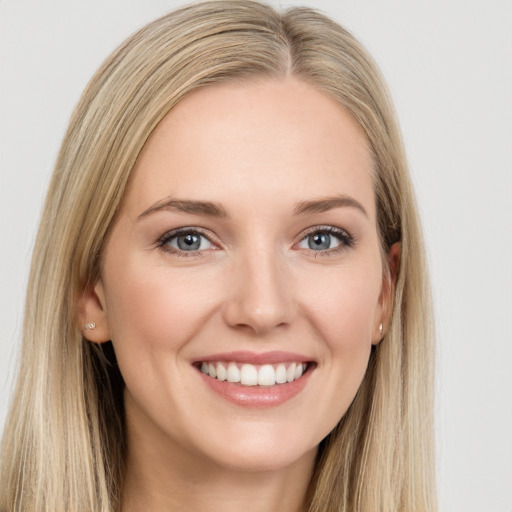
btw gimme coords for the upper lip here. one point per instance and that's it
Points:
(248, 357)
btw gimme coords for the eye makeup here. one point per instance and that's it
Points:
(192, 241)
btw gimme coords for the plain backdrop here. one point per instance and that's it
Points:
(449, 67)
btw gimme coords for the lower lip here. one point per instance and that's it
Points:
(257, 396)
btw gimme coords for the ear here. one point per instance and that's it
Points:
(387, 293)
(92, 313)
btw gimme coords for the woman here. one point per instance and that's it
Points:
(228, 303)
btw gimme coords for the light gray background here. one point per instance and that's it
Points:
(449, 67)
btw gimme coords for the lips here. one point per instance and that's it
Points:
(256, 380)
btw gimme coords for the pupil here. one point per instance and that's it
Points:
(319, 241)
(189, 242)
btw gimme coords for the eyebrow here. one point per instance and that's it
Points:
(328, 203)
(210, 209)
(181, 205)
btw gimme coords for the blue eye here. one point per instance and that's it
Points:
(322, 241)
(185, 241)
(326, 239)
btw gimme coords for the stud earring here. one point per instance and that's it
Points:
(380, 329)
(90, 325)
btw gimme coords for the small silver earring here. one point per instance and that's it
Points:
(90, 325)
(380, 329)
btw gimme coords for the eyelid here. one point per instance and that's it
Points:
(174, 233)
(346, 239)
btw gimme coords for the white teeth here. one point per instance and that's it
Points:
(221, 372)
(233, 374)
(251, 375)
(281, 374)
(290, 373)
(266, 375)
(248, 375)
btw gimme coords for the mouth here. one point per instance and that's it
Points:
(247, 374)
(257, 381)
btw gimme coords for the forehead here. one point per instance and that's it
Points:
(252, 140)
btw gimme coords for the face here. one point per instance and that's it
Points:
(246, 249)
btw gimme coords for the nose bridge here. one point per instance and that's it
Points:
(259, 298)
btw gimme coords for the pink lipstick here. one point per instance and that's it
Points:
(256, 380)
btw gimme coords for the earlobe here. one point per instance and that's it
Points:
(92, 314)
(387, 293)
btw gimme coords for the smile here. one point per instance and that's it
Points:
(257, 381)
(253, 375)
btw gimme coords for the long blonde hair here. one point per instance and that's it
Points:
(63, 445)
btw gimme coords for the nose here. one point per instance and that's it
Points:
(260, 298)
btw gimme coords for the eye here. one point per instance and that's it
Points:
(326, 239)
(185, 240)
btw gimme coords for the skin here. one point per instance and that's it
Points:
(259, 150)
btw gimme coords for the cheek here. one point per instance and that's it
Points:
(343, 317)
(154, 310)
(344, 310)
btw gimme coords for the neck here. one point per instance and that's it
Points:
(160, 484)
(163, 477)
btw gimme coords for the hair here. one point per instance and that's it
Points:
(64, 441)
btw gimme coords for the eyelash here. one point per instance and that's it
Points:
(346, 240)
(164, 240)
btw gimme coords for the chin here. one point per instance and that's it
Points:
(253, 445)
(263, 457)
